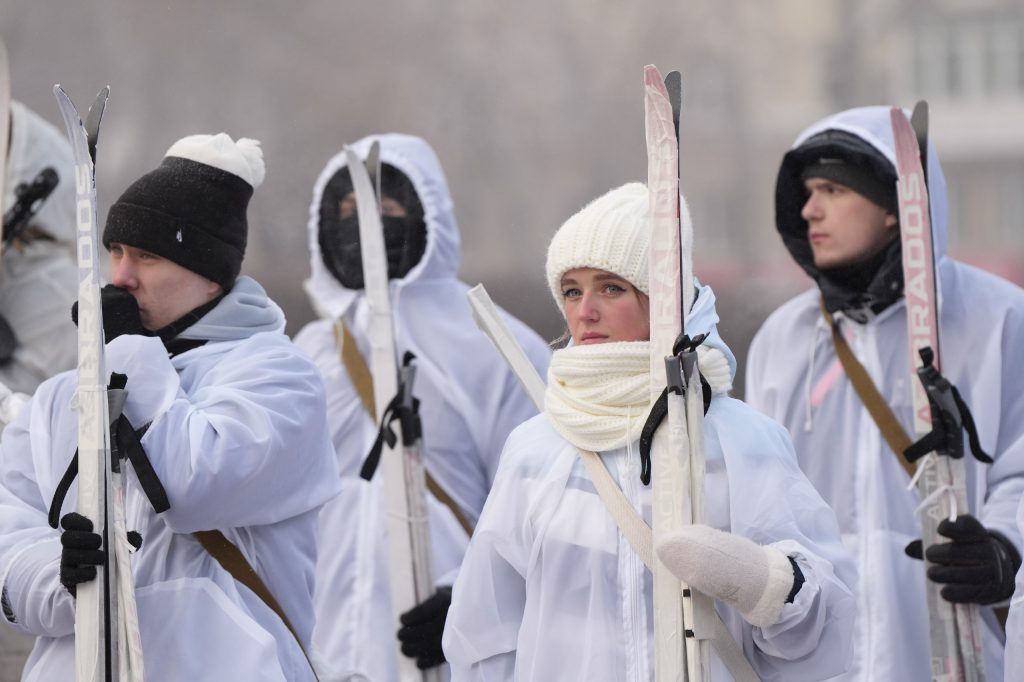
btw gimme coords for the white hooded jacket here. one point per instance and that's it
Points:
(1014, 662)
(238, 439)
(551, 590)
(469, 402)
(39, 283)
(794, 376)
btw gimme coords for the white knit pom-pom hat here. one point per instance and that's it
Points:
(610, 233)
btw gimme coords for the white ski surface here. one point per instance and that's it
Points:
(100, 492)
(675, 473)
(953, 629)
(409, 565)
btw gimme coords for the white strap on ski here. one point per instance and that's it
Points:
(637, 533)
(954, 632)
(409, 556)
(5, 126)
(108, 602)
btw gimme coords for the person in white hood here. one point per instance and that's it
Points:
(231, 417)
(836, 209)
(551, 590)
(469, 400)
(38, 272)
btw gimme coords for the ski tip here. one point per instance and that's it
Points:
(95, 115)
(919, 118)
(651, 73)
(101, 99)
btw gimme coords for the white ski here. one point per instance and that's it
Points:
(409, 555)
(953, 629)
(106, 604)
(683, 618)
(486, 316)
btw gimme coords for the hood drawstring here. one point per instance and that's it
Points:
(629, 441)
(808, 421)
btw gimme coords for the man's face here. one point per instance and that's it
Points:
(164, 290)
(844, 227)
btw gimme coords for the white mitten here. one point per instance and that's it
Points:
(752, 579)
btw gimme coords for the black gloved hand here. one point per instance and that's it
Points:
(81, 552)
(422, 627)
(120, 313)
(978, 566)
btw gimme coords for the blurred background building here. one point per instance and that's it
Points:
(536, 107)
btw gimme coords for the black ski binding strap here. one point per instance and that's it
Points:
(683, 344)
(125, 443)
(950, 417)
(409, 410)
(404, 408)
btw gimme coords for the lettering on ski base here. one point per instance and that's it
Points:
(663, 268)
(916, 236)
(83, 188)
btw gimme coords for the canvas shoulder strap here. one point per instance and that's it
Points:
(234, 562)
(639, 536)
(360, 376)
(877, 407)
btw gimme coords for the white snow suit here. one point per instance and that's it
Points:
(237, 436)
(39, 283)
(551, 590)
(469, 402)
(794, 376)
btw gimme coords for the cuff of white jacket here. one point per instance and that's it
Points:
(31, 584)
(772, 603)
(153, 383)
(787, 636)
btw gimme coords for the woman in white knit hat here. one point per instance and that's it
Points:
(551, 590)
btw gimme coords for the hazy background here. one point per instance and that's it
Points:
(535, 107)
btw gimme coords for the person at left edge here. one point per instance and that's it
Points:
(233, 421)
(38, 272)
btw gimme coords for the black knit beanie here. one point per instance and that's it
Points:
(860, 178)
(191, 210)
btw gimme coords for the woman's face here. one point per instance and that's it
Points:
(601, 307)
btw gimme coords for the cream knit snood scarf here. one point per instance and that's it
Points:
(598, 396)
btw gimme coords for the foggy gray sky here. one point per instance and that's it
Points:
(534, 108)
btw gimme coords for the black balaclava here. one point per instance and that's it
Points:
(864, 288)
(405, 238)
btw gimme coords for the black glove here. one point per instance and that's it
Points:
(422, 627)
(978, 566)
(120, 313)
(81, 552)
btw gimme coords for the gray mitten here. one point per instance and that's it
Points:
(753, 579)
